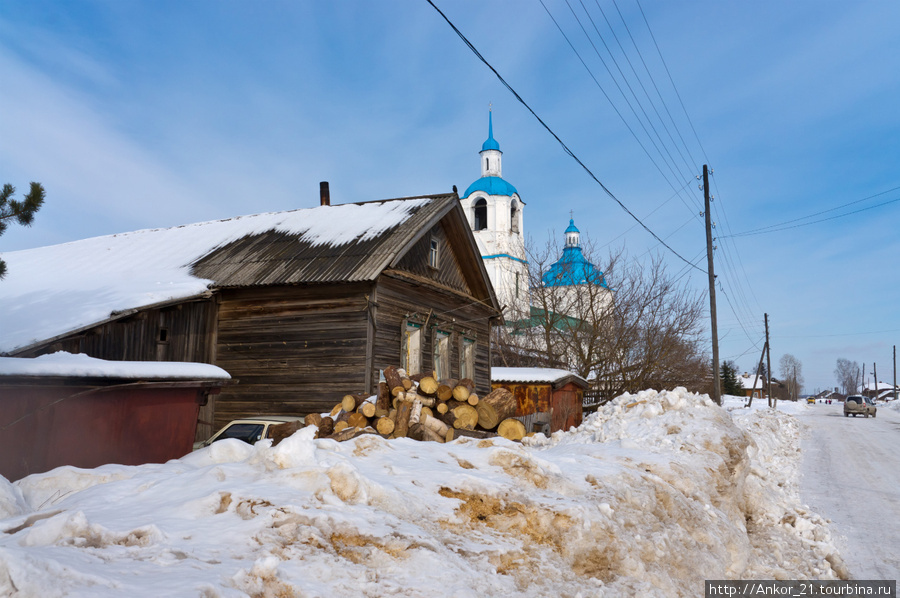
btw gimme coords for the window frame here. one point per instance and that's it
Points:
(440, 360)
(411, 360)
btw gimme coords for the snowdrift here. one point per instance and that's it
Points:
(650, 496)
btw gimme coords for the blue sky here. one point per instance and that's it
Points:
(139, 114)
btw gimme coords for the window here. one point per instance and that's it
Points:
(487, 163)
(433, 255)
(163, 336)
(441, 354)
(467, 358)
(411, 349)
(514, 216)
(480, 220)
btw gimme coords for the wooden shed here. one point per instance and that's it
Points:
(548, 399)
(301, 307)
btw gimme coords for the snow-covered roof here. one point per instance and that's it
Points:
(534, 375)
(56, 290)
(64, 364)
(747, 381)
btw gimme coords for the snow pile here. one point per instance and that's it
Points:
(63, 363)
(650, 496)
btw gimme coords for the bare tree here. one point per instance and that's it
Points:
(791, 375)
(633, 328)
(847, 374)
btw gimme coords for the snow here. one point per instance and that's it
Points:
(649, 496)
(548, 375)
(49, 291)
(68, 364)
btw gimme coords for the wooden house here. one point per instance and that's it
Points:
(300, 307)
(547, 399)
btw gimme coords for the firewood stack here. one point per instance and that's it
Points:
(419, 407)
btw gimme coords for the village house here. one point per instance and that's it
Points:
(299, 307)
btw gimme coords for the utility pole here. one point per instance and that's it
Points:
(895, 372)
(717, 390)
(875, 373)
(768, 363)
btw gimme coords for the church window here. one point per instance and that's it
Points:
(514, 216)
(480, 220)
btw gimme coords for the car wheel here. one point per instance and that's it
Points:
(873, 415)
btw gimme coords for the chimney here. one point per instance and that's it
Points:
(324, 194)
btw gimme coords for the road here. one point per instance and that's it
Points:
(851, 475)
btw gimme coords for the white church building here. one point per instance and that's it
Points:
(495, 213)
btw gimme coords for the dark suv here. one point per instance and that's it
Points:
(859, 405)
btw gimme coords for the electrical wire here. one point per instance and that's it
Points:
(555, 136)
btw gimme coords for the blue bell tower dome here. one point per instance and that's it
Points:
(573, 268)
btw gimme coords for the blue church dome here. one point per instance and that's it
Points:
(492, 185)
(573, 268)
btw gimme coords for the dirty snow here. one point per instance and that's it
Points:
(650, 496)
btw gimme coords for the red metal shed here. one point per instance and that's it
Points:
(65, 409)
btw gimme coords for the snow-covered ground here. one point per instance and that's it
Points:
(849, 474)
(650, 496)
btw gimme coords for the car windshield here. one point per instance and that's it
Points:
(249, 433)
(870, 401)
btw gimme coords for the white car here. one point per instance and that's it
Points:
(248, 429)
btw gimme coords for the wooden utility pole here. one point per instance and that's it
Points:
(756, 378)
(875, 373)
(768, 364)
(895, 372)
(717, 388)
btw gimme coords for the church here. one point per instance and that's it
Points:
(496, 215)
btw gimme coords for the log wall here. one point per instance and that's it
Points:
(295, 350)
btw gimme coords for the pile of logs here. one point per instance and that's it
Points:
(418, 407)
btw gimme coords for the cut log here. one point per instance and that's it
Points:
(511, 429)
(472, 400)
(412, 396)
(436, 425)
(454, 433)
(281, 431)
(462, 416)
(393, 379)
(404, 379)
(415, 414)
(445, 389)
(442, 407)
(383, 399)
(313, 419)
(357, 420)
(385, 426)
(428, 386)
(339, 427)
(367, 409)
(401, 424)
(350, 433)
(427, 411)
(352, 402)
(342, 417)
(336, 409)
(417, 378)
(326, 427)
(423, 432)
(463, 389)
(498, 405)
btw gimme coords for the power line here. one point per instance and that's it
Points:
(555, 136)
(782, 225)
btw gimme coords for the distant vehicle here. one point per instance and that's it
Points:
(811, 401)
(248, 429)
(859, 405)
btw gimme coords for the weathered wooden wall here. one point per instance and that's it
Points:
(295, 350)
(181, 332)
